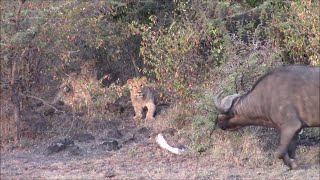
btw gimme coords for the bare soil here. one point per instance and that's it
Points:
(138, 158)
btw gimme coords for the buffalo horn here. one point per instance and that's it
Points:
(218, 104)
(226, 102)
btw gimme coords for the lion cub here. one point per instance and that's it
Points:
(141, 96)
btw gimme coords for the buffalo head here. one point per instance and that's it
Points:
(227, 118)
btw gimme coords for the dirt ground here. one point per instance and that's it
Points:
(138, 158)
(148, 162)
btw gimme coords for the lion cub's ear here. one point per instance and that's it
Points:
(143, 79)
(129, 83)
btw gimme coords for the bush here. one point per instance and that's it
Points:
(296, 25)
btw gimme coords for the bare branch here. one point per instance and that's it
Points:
(43, 101)
(21, 2)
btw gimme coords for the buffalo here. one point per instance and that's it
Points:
(286, 98)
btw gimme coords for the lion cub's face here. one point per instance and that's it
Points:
(141, 96)
(138, 88)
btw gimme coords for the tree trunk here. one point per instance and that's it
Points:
(16, 115)
(15, 99)
(15, 84)
(21, 2)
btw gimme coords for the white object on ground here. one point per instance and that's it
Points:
(163, 144)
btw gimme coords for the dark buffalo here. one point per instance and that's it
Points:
(286, 98)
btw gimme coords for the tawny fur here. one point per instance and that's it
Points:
(141, 96)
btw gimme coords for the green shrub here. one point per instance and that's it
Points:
(297, 26)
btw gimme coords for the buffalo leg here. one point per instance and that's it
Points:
(289, 162)
(287, 136)
(293, 146)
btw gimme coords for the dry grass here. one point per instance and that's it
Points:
(7, 124)
(242, 149)
(148, 162)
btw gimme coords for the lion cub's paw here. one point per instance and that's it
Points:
(150, 119)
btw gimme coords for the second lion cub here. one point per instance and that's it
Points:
(141, 96)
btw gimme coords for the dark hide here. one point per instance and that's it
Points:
(286, 98)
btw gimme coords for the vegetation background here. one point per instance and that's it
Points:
(64, 66)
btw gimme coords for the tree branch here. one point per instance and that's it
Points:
(43, 101)
(21, 2)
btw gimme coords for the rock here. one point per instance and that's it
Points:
(144, 131)
(128, 137)
(110, 145)
(59, 145)
(83, 137)
(75, 151)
